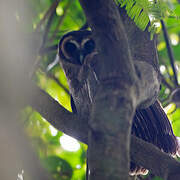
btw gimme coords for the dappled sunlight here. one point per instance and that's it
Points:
(59, 10)
(174, 39)
(78, 166)
(53, 130)
(170, 108)
(167, 91)
(162, 69)
(68, 143)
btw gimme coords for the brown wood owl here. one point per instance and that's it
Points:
(150, 124)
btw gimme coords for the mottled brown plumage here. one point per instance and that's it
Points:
(150, 124)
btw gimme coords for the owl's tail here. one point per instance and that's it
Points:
(152, 125)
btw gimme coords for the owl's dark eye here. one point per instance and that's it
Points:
(70, 48)
(89, 46)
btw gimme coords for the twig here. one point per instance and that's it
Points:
(45, 35)
(169, 50)
(165, 82)
(48, 49)
(167, 69)
(168, 72)
(61, 19)
(48, 12)
(54, 47)
(166, 101)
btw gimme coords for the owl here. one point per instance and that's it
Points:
(150, 124)
(75, 46)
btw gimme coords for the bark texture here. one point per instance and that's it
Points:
(118, 92)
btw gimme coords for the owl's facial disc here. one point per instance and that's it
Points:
(75, 50)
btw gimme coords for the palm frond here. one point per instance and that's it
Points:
(143, 12)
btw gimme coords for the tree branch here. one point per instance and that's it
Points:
(110, 120)
(166, 83)
(150, 157)
(51, 76)
(47, 28)
(56, 115)
(48, 49)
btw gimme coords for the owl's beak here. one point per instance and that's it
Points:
(81, 58)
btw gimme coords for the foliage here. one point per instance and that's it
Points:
(144, 11)
(67, 16)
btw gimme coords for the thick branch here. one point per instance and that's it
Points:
(115, 70)
(56, 115)
(111, 67)
(150, 157)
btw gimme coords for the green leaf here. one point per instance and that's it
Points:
(141, 10)
(58, 167)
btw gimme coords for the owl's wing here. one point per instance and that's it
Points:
(152, 125)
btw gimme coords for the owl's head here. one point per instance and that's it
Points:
(75, 46)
